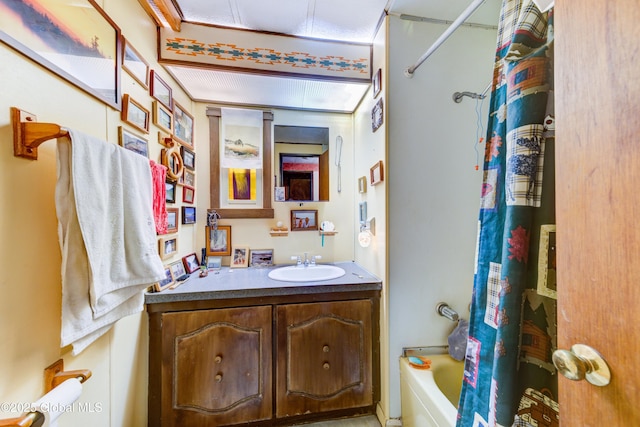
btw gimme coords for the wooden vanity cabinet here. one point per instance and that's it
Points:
(263, 361)
(324, 358)
(216, 367)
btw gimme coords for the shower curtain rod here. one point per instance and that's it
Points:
(454, 26)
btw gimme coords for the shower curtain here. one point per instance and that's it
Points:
(509, 378)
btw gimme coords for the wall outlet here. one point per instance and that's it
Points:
(393, 423)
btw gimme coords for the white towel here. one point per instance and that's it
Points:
(107, 236)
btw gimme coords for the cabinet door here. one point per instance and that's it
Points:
(216, 367)
(324, 357)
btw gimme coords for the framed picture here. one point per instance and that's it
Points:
(168, 246)
(304, 220)
(182, 125)
(240, 257)
(188, 194)
(278, 194)
(219, 240)
(188, 215)
(63, 37)
(161, 91)
(214, 263)
(172, 220)
(166, 282)
(547, 280)
(178, 270)
(135, 114)
(376, 83)
(191, 263)
(188, 158)
(261, 257)
(362, 184)
(377, 116)
(133, 142)
(171, 188)
(376, 173)
(134, 64)
(162, 117)
(188, 178)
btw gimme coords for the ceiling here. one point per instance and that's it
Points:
(337, 20)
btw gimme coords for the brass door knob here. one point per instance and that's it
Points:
(582, 362)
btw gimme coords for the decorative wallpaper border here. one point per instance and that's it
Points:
(224, 47)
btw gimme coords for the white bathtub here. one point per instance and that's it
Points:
(429, 398)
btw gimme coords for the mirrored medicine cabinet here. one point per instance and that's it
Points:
(301, 160)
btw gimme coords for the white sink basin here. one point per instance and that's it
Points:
(294, 273)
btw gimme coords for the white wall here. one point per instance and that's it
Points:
(434, 188)
(30, 256)
(371, 147)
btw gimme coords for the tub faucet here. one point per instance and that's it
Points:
(445, 310)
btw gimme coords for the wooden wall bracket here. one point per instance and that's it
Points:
(28, 134)
(54, 375)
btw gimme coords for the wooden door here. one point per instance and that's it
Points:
(597, 81)
(324, 357)
(216, 367)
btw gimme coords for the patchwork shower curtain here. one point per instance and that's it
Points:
(509, 378)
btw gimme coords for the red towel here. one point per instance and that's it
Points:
(158, 177)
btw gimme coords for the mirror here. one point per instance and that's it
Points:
(301, 159)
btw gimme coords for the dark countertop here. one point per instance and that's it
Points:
(254, 282)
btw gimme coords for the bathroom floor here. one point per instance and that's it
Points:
(368, 421)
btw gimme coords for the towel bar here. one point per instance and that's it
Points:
(54, 375)
(28, 134)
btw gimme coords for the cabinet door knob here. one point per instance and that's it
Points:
(325, 349)
(582, 362)
(218, 378)
(326, 366)
(218, 359)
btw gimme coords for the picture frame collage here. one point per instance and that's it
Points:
(175, 126)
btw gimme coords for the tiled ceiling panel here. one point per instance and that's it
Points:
(260, 90)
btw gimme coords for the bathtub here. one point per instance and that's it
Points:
(429, 398)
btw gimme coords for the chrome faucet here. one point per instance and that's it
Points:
(308, 261)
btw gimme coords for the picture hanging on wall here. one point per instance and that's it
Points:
(182, 125)
(161, 91)
(171, 187)
(167, 246)
(377, 115)
(188, 157)
(188, 194)
(376, 173)
(188, 215)
(172, 220)
(376, 83)
(133, 142)
(362, 184)
(134, 64)
(162, 117)
(135, 114)
(63, 37)
(304, 220)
